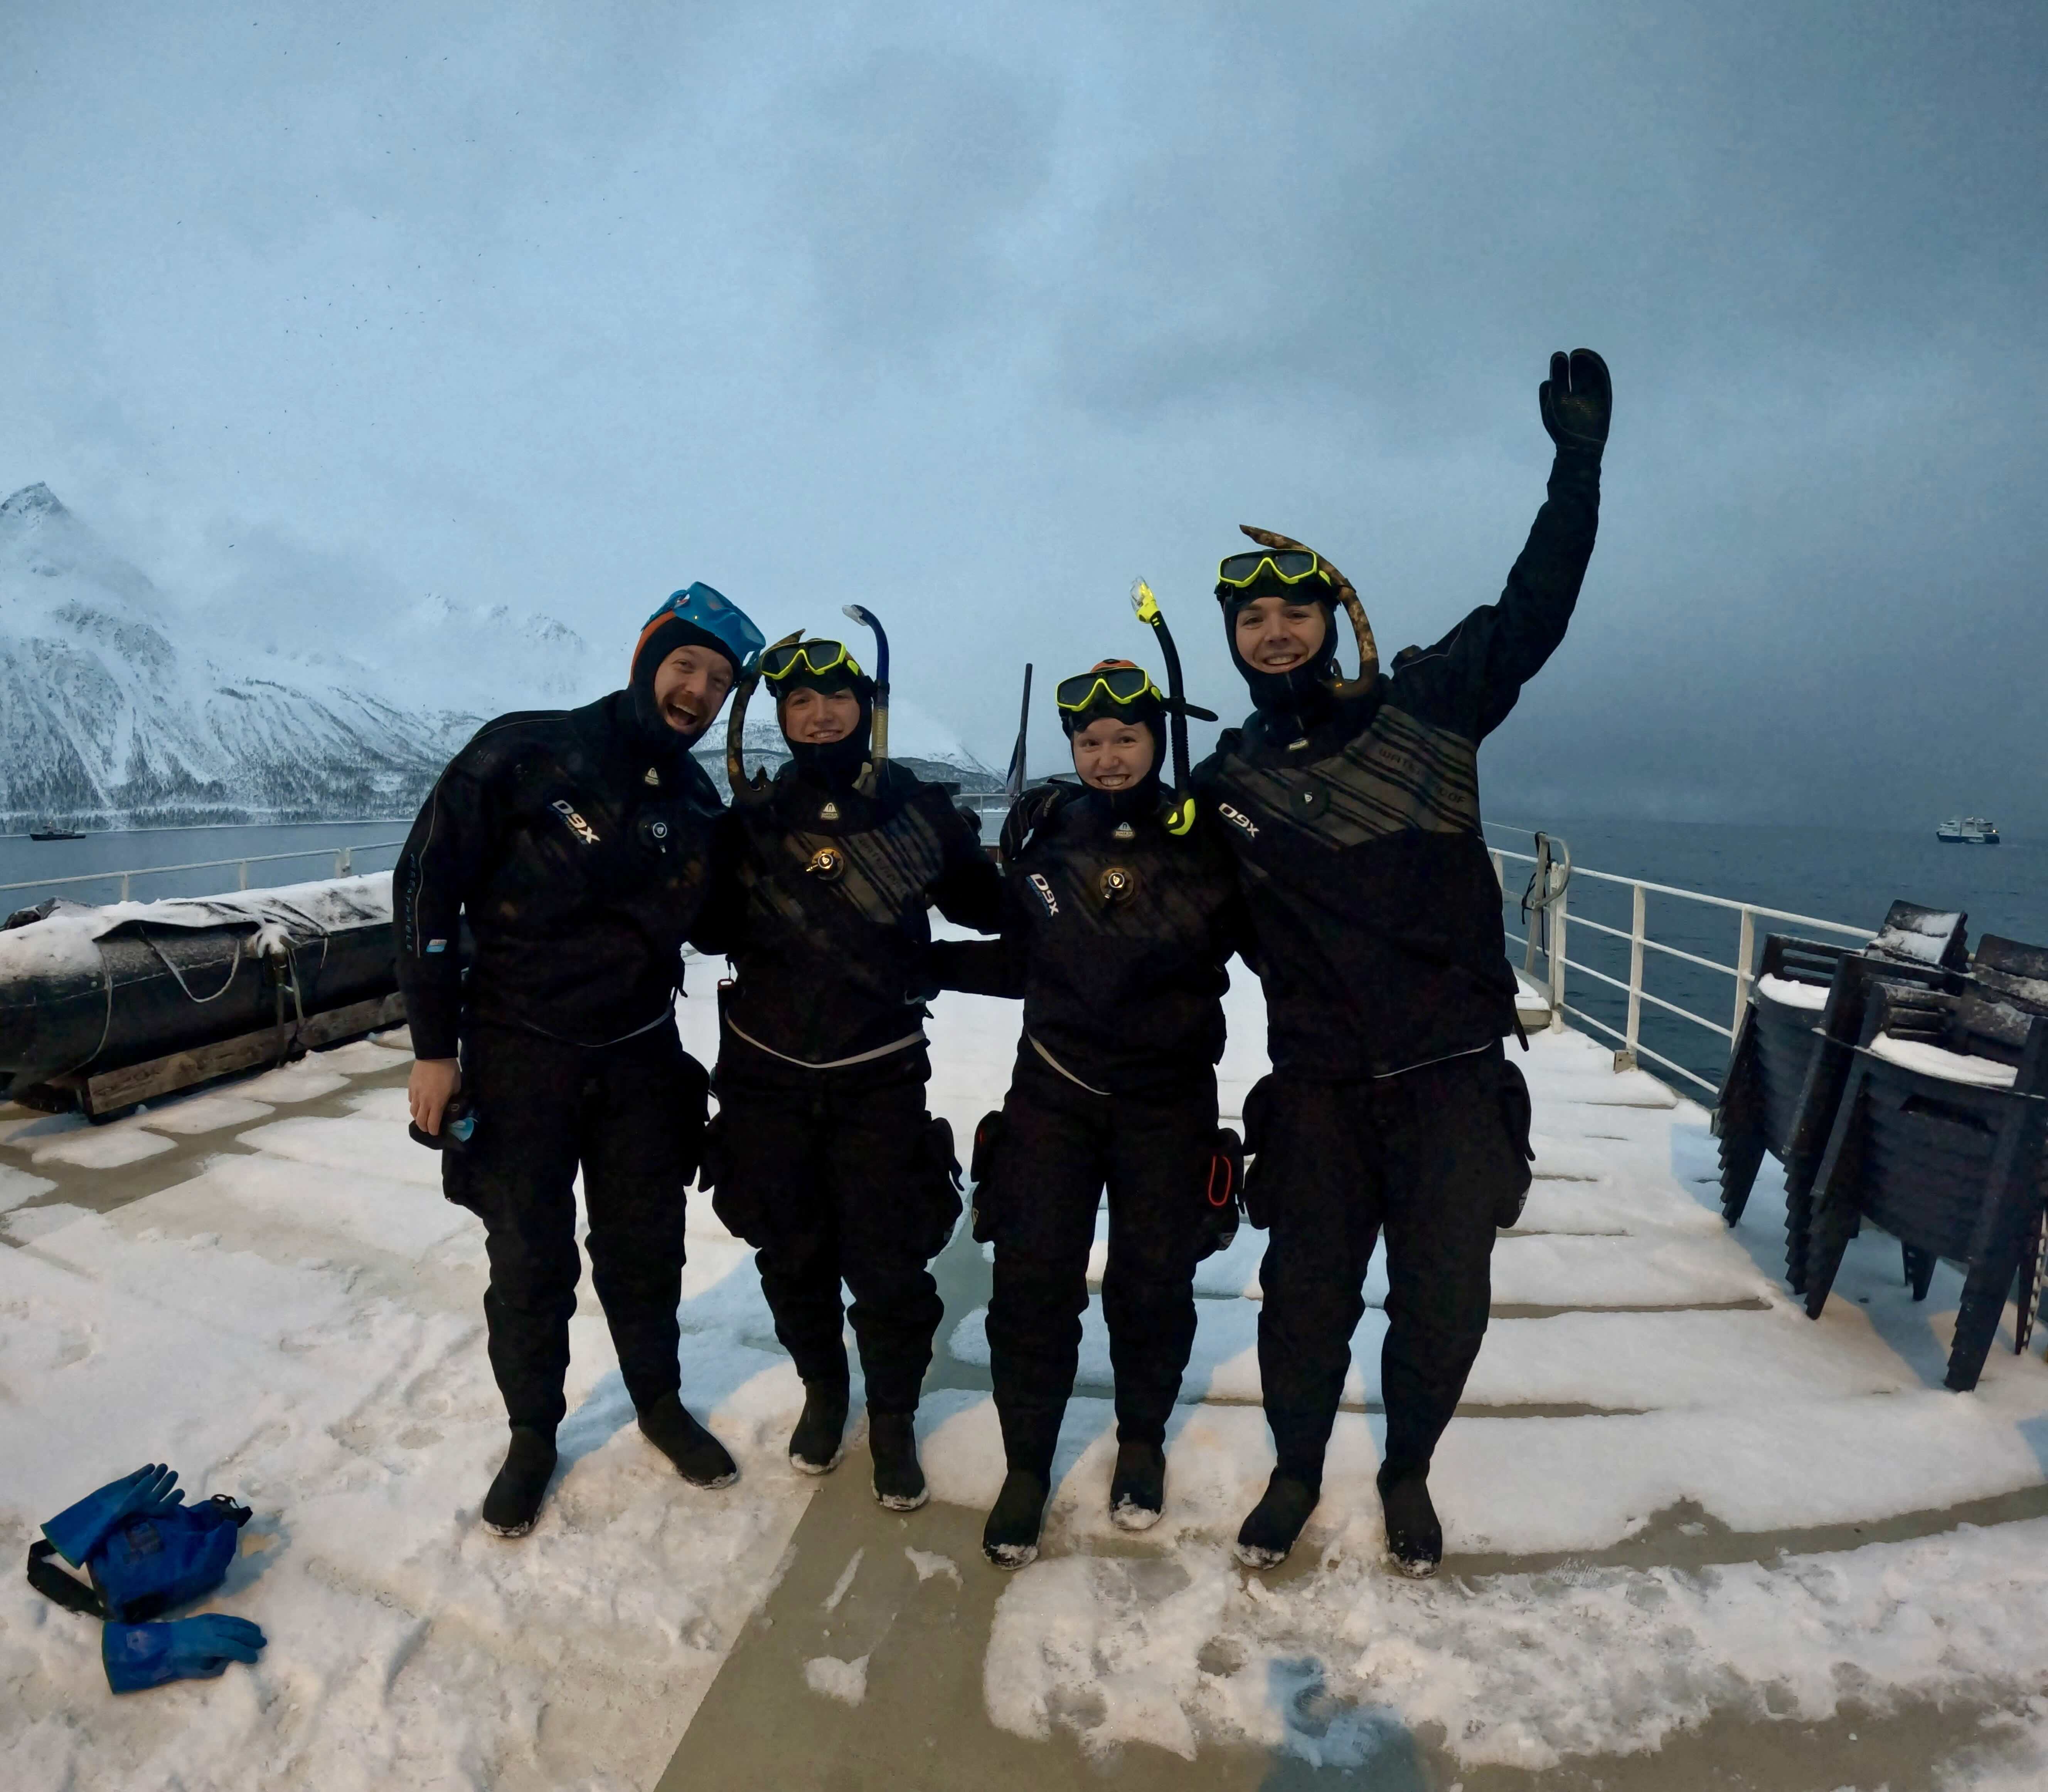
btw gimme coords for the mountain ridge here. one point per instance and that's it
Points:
(112, 714)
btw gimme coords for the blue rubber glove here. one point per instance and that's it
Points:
(141, 1655)
(78, 1531)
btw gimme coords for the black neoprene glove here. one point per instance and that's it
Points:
(1578, 400)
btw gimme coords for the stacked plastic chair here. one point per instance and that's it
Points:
(1940, 1135)
(1781, 1088)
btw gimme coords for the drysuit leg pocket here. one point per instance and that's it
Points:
(987, 1147)
(692, 1114)
(1262, 1173)
(737, 1212)
(1517, 1118)
(1223, 1196)
(940, 1174)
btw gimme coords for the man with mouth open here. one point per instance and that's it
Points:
(575, 847)
(1352, 807)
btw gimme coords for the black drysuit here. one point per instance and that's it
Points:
(1355, 826)
(823, 1155)
(576, 847)
(1115, 934)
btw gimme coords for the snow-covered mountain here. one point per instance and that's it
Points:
(106, 714)
(119, 706)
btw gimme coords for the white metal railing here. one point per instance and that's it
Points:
(344, 858)
(1555, 914)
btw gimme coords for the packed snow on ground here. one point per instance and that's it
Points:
(297, 1323)
(1584, 1428)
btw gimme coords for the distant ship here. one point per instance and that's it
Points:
(1972, 830)
(55, 834)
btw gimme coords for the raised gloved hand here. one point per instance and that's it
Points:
(78, 1531)
(1577, 399)
(140, 1655)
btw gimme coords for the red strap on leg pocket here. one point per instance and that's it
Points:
(1220, 1165)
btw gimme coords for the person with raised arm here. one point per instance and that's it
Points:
(575, 849)
(1352, 807)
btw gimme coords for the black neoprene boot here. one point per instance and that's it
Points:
(1269, 1531)
(514, 1499)
(817, 1443)
(899, 1482)
(1010, 1539)
(699, 1458)
(1138, 1489)
(1414, 1538)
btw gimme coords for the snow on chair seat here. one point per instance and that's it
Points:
(1788, 992)
(1938, 1060)
(1777, 1096)
(1952, 1168)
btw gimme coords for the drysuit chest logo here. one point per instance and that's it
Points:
(1046, 894)
(1238, 819)
(581, 828)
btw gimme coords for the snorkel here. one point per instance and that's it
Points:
(1182, 816)
(877, 756)
(1013, 780)
(1368, 649)
(750, 790)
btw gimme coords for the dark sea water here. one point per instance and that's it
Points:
(1835, 874)
(38, 863)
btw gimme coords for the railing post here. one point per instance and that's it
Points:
(1555, 933)
(242, 874)
(343, 861)
(1745, 949)
(1500, 871)
(1638, 930)
(124, 886)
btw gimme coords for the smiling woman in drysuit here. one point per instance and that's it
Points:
(823, 1155)
(1352, 806)
(576, 846)
(1120, 914)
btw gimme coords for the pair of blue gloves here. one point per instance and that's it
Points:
(140, 1655)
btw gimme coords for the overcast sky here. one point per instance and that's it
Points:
(971, 314)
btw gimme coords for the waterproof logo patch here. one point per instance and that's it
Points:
(1046, 894)
(581, 828)
(1238, 820)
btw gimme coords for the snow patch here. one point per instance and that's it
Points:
(101, 1148)
(846, 1681)
(1519, 1670)
(928, 1562)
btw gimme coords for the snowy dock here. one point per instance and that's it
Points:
(1694, 1539)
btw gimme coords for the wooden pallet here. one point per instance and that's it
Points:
(111, 1091)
